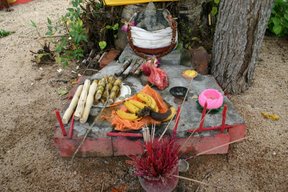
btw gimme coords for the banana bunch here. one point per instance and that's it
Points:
(135, 109)
(148, 100)
(127, 116)
(138, 109)
(134, 106)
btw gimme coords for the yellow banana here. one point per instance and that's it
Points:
(131, 108)
(173, 112)
(137, 104)
(148, 101)
(127, 116)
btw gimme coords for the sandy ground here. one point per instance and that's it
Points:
(29, 162)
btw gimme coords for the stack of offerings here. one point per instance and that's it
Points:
(105, 91)
(146, 107)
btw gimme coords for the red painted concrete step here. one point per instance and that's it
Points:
(122, 146)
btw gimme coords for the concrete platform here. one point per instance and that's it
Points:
(99, 144)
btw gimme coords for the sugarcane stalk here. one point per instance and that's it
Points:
(89, 102)
(69, 111)
(81, 103)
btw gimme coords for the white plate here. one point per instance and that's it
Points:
(125, 92)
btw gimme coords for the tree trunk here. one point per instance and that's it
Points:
(239, 33)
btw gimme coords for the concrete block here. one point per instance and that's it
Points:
(100, 147)
(200, 144)
(124, 146)
(237, 132)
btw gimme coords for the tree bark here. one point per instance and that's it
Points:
(238, 37)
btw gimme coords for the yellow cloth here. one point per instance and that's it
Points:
(127, 2)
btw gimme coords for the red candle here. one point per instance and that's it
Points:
(60, 122)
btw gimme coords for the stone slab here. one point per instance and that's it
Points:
(190, 117)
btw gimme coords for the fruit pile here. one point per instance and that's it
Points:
(144, 106)
(105, 90)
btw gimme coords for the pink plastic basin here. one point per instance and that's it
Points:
(213, 98)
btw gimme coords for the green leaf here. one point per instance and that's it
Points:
(49, 33)
(33, 24)
(102, 44)
(58, 59)
(49, 21)
(276, 20)
(280, 2)
(70, 9)
(286, 16)
(214, 11)
(115, 27)
(108, 27)
(277, 29)
(217, 1)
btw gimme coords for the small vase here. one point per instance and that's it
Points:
(163, 184)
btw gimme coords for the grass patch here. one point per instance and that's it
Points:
(4, 33)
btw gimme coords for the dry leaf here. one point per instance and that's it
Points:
(272, 116)
(62, 91)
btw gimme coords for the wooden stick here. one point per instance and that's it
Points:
(81, 103)
(89, 102)
(69, 111)
(196, 181)
(52, 36)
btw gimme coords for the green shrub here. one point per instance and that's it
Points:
(68, 35)
(278, 23)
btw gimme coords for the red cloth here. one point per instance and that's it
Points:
(17, 2)
(20, 2)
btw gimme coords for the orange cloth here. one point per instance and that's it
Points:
(123, 125)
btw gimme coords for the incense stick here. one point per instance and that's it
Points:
(153, 132)
(201, 153)
(185, 97)
(192, 133)
(90, 127)
(146, 134)
(166, 128)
